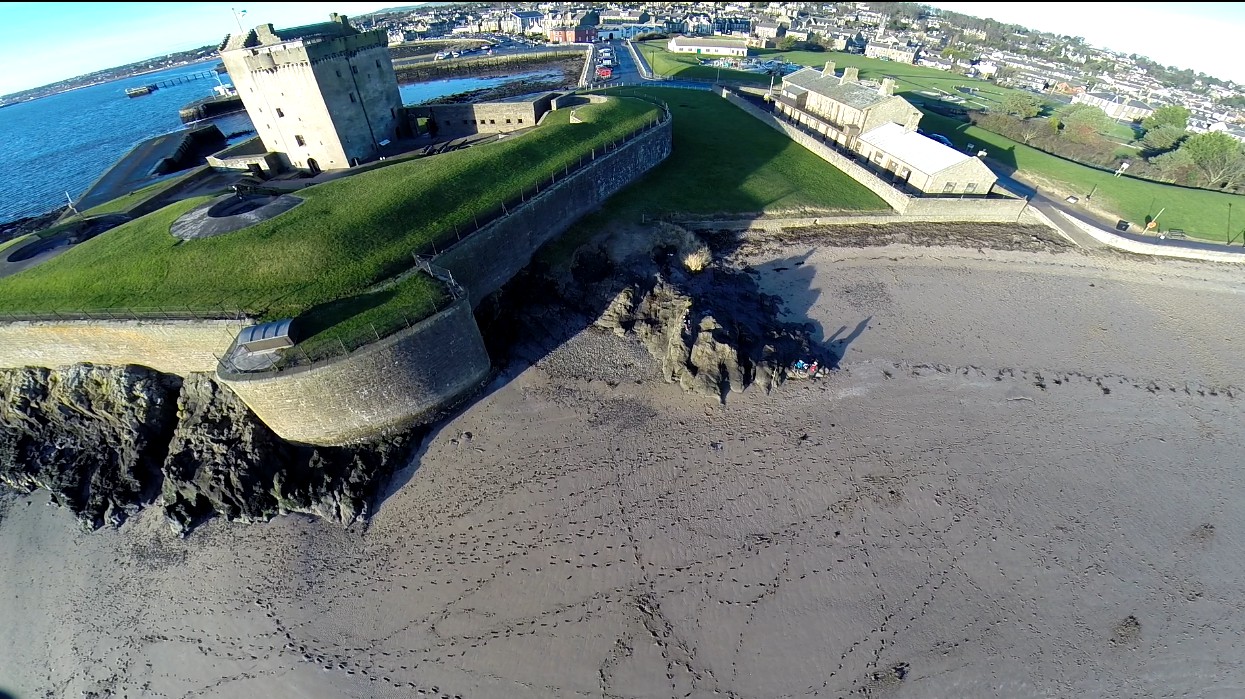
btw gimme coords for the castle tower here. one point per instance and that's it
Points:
(323, 96)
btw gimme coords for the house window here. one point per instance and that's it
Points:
(948, 187)
(970, 187)
(299, 140)
(280, 113)
(352, 99)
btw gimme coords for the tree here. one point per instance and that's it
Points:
(1171, 115)
(1162, 138)
(1083, 122)
(1021, 105)
(786, 43)
(1217, 156)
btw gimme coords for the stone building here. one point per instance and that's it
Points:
(879, 129)
(322, 96)
(1116, 106)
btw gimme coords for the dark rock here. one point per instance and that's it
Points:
(105, 441)
(93, 436)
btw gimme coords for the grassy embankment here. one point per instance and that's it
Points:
(723, 162)
(323, 260)
(1201, 213)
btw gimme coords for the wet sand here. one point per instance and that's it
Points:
(1023, 481)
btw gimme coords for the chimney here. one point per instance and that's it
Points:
(828, 71)
(887, 88)
(851, 74)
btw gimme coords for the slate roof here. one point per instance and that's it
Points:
(852, 94)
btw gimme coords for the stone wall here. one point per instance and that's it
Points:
(1194, 251)
(992, 210)
(487, 259)
(174, 347)
(484, 117)
(382, 388)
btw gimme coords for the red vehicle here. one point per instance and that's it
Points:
(605, 73)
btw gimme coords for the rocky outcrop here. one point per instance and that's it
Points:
(106, 441)
(95, 437)
(704, 321)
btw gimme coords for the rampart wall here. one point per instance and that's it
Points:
(378, 389)
(489, 258)
(383, 387)
(172, 346)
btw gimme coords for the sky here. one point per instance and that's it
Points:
(1204, 36)
(46, 42)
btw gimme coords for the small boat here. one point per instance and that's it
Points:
(140, 90)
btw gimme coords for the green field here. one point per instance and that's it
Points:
(320, 260)
(1201, 213)
(687, 66)
(124, 203)
(725, 162)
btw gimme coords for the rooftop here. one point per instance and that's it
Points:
(716, 41)
(267, 35)
(922, 153)
(853, 94)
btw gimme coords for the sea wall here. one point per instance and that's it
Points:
(490, 257)
(376, 390)
(171, 346)
(980, 209)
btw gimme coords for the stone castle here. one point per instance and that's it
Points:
(322, 96)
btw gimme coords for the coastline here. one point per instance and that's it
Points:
(1022, 454)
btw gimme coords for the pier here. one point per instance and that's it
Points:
(205, 75)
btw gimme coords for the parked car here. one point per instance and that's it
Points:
(941, 139)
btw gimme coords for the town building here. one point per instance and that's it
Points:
(879, 127)
(521, 22)
(1116, 106)
(573, 35)
(715, 46)
(898, 52)
(322, 96)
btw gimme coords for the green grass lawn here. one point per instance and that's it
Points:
(1201, 213)
(126, 202)
(725, 162)
(687, 66)
(346, 236)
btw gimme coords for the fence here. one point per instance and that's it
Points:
(128, 314)
(303, 356)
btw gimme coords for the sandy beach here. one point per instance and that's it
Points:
(1023, 481)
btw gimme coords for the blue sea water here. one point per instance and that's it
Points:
(64, 142)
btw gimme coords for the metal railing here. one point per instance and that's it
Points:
(128, 314)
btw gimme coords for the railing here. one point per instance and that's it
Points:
(299, 358)
(128, 314)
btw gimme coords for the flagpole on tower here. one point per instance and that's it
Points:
(237, 17)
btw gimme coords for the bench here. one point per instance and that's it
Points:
(1173, 233)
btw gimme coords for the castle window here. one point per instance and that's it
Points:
(507, 121)
(466, 122)
(352, 99)
(299, 140)
(378, 63)
(492, 121)
(354, 69)
(393, 112)
(280, 113)
(339, 73)
(520, 121)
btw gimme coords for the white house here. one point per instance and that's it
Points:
(715, 46)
